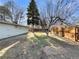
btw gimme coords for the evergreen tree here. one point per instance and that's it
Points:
(32, 13)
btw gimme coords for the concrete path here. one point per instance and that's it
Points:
(11, 46)
(6, 42)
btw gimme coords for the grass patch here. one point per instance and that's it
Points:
(39, 41)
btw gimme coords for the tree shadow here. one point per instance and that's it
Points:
(56, 42)
(63, 43)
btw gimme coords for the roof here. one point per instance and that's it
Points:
(59, 23)
(8, 23)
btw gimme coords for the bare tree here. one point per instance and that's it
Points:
(58, 10)
(16, 11)
(18, 16)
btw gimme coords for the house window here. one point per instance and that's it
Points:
(1, 17)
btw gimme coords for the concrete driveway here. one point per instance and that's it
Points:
(18, 48)
(8, 41)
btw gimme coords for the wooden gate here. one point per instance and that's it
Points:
(76, 33)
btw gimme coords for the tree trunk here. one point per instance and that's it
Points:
(47, 32)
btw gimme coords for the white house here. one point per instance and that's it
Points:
(9, 30)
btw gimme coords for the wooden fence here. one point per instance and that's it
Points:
(67, 32)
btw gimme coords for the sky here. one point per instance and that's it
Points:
(40, 4)
(24, 4)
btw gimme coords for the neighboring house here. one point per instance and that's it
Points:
(68, 31)
(8, 19)
(10, 30)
